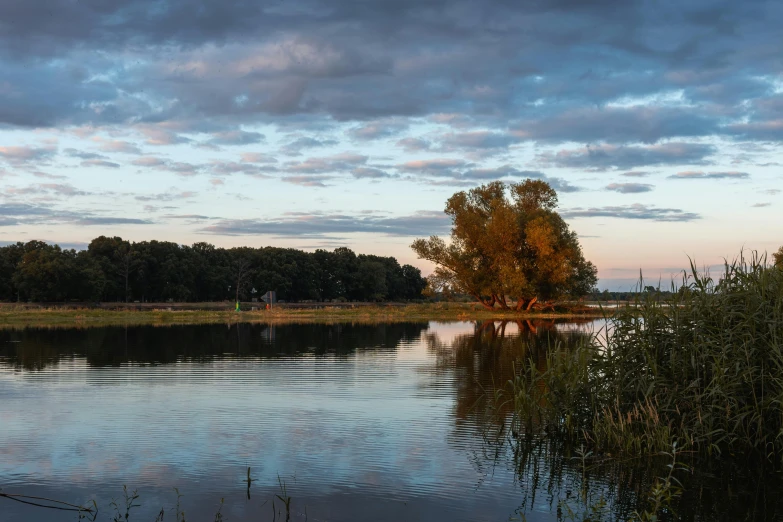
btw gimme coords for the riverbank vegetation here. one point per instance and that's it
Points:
(702, 367)
(116, 270)
(13, 316)
(508, 244)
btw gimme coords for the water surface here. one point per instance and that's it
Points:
(358, 422)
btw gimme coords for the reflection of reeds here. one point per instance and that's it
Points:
(485, 360)
(48, 503)
(123, 509)
(697, 372)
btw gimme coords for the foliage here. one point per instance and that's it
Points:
(508, 247)
(702, 366)
(113, 269)
(778, 257)
(605, 295)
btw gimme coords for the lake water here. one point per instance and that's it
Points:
(357, 423)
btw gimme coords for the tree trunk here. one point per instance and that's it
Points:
(521, 302)
(532, 328)
(489, 325)
(531, 303)
(502, 300)
(489, 305)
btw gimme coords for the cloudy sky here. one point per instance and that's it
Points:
(325, 123)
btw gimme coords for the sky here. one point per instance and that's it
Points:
(326, 123)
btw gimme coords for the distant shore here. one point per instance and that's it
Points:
(15, 315)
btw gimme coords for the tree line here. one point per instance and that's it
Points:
(115, 270)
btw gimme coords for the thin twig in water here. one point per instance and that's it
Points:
(71, 507)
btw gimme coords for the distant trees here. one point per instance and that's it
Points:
(45, 272)
(113, 269)
(778, 257)
(508, 242)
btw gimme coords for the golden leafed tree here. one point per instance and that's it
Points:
(508, 243)
(778, 256)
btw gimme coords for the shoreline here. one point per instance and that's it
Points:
(168, 314)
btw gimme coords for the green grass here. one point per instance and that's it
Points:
(38, 316)
(703, 367)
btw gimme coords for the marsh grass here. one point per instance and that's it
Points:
(122, 510)
(35, 316)
(703, 366)
(580, 486)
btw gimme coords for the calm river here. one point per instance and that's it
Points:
(351, 422)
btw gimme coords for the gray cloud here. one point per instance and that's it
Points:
(709, 175)
(149, 161)
(100, 163)
(637, 81)
(26, 154)
(296, 147)
(62, 189)
(647, 124)
(257, 157)
(413, 144)
(476, 140)
(757, 130)
(177, 167)
(604, 157)
(172, 195)
(504, 171)
(44, 175)
(635, 174)
(562, 185)
(317, 225)
(90, 221)
(378, 129)
(458, 173)
(370, 173)
(629, 188)
(232, 167)
(125, 147)
(761, 205)
(328, 164)
(678, 70)
(74, 153)
(236, 137)
(159, 135)
(636, 211)
(26, 214)
(308, 180)
(434, 167)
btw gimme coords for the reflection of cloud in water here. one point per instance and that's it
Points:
(382, 422)
(344, 408)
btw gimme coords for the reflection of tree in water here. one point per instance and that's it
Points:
(549, 471)
(34, 349)
(484, 360)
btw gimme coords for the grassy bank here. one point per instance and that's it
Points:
(39, 316)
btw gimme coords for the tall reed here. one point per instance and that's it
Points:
(703, 366)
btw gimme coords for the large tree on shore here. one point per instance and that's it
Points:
(778, 257)
(508, 242)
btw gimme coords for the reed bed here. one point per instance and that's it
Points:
(702, 366)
